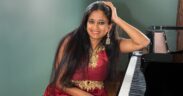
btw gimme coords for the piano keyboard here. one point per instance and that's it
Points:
(133, 83)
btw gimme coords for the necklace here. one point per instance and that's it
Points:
(94, 56)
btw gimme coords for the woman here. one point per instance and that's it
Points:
(88, 56)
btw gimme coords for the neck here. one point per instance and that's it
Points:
(94, 43)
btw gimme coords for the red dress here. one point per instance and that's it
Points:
(97, 74)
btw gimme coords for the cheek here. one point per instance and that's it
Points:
(87, 27)
(105, 30)
(107, 27)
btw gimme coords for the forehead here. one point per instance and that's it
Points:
(98, 15)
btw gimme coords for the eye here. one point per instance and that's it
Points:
(101, 22)
(91, 21)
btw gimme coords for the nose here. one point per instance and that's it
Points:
(96, 26)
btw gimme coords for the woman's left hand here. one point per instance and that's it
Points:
(113, 8)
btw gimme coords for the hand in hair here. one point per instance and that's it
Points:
(113, 8)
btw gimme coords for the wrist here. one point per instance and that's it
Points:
(116, 19)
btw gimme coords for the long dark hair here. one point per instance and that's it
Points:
(76, 53)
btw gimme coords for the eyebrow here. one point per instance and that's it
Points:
(99, 20)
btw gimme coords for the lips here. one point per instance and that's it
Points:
(95, 32)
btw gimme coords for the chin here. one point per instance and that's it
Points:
(96, 38)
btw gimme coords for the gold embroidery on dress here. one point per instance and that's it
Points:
(88, 84)
(94, 56)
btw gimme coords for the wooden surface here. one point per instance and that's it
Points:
(180, 32)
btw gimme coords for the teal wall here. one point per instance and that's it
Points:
(29, 33)
(31, 29)
(145, 13)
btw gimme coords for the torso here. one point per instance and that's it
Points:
(98, 72)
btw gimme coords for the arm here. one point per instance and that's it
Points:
(77, 92)
(71, 91)
(137, 39)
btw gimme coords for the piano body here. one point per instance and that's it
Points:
(162, 70)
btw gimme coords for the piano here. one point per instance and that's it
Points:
(163, 71)
(156, 72)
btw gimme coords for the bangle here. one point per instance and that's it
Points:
(63, 88)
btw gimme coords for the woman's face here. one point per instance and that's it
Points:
(97, 25)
